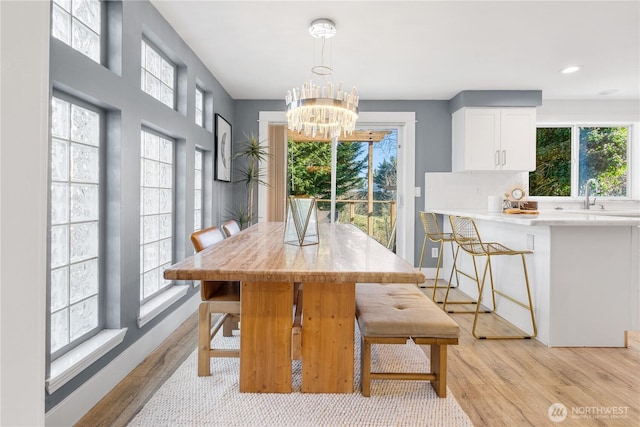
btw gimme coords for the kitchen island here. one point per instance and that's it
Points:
(584, 273)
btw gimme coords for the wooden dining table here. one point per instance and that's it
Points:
(269, 271)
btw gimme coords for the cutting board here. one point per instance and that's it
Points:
(515, 211)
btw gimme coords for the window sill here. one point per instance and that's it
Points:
(157, 305)
(75, 361)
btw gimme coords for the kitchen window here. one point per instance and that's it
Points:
(568, 156)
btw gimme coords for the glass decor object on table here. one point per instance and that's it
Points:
(301, 227)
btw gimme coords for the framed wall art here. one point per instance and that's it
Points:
(223, 149)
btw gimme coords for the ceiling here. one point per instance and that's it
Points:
(419, 50)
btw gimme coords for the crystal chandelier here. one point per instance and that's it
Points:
(322, 110)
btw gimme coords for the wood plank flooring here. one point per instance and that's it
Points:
(122, 403)
(513, 382)
(497, 383)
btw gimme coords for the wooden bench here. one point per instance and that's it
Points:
(395, 313)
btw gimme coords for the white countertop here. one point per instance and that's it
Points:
(549, 217)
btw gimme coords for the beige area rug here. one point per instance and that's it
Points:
(188, 400)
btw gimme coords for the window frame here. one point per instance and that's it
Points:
(200, 113)
(575, 159)
(102, 42)
(102, 191)
(144, 71)
(202, 163)
(170, 283)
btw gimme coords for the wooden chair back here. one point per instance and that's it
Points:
(231, 227)
(202, 239)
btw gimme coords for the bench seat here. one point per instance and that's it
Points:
(395, 313)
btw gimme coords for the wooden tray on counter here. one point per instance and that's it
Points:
(516, 211)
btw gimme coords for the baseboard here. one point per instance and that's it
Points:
(78, 403)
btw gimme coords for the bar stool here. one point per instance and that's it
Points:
(432, 232)
(465, 233)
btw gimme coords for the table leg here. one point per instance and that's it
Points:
(265, 337)
(327, 337)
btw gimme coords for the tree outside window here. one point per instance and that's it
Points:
(603, 156)
(600, 152)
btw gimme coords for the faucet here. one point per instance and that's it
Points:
(587, 192)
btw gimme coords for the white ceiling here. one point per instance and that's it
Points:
(403, 50)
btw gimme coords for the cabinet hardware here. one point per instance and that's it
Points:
(497, 158)
(504, 157)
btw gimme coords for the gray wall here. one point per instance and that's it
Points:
(246, 114)
(117, 91)
(495, 98)
(433, 143)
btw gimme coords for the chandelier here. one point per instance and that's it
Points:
(322, 109)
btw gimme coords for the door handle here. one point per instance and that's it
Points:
(497, 158)
(504, 157)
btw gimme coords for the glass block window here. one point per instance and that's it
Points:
(74, 211)
(156, 213)
(197, 192)
(199, 107)
(157, 75)
(77, 23)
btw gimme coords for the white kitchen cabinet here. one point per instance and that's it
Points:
(494, 139)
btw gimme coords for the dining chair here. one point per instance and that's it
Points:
(466, 235)
(230, 228)
(218, 297)
(434, 233)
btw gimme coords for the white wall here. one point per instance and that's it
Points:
(558, 111)
(24, 101)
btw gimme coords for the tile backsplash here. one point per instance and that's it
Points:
(469, 190)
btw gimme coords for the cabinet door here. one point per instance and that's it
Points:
(482, 136)
(517, 139)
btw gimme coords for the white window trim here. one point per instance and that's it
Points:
(66, 367)
(159, 303)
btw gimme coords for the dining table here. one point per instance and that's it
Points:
(269, 271)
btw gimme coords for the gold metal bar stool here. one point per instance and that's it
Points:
(432, 232)
(466, 235)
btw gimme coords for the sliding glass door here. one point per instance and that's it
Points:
(389, 208)
(366, 179)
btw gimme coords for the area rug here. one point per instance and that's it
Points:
(188, 400)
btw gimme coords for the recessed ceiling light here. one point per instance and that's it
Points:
(571, 69)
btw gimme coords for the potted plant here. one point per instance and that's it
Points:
(252, 152)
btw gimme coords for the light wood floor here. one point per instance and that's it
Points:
(497, 383)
